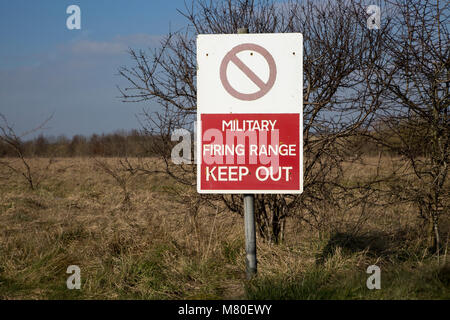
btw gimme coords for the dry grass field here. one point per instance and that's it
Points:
(154, 247)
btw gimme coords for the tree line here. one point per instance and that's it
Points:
(131, 143)
(136, 143)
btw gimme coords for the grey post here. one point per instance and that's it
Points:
(250, 234)
(249, 218)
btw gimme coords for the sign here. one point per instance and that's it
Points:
(249, 113)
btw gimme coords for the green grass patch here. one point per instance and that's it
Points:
(397, 283)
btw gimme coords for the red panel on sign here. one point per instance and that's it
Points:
(250, 152)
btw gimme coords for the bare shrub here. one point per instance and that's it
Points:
(339, 52)
(412, 84)
(121, 171)
(22, 167)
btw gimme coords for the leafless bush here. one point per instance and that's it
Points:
(412, 84)
(339, 52)
(14, 142)
(122, 172)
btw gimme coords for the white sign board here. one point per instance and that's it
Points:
(249, 113)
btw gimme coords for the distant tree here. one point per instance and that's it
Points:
(77, 146)
(41, 146)
(96, 147)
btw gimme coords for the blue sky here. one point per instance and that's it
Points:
(46, 68)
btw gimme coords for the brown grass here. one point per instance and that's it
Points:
(155, 248)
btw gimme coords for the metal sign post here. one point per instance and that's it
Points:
(249, 223)
(250, 235)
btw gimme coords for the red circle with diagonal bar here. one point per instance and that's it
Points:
(263, 86)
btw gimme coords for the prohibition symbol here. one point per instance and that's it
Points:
(264, 87)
